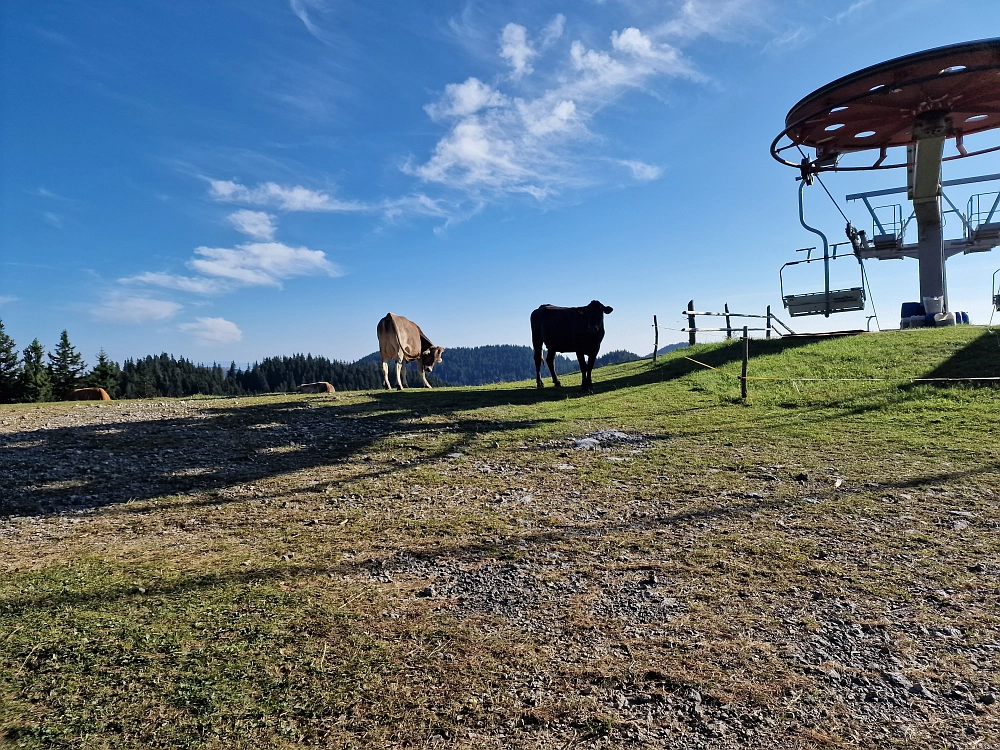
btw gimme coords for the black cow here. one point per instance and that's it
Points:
(568, 329)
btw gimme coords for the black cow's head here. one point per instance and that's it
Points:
(431, 357)
(594, 314)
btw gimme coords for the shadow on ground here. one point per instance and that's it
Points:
(980, 358)
(94, 465)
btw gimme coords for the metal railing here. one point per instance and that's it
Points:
(983, 209)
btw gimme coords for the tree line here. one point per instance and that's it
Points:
(34, 375)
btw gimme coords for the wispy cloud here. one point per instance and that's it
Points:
(301, 9)
(192, 284)
(852, 8)
(6, 299)
(262, 263)
(123, 308)
(640, 170)
(722, 19)
(54, 219)
(208, 331)
(500, 143)
(296, 198)
(44, 193)
(256, 224)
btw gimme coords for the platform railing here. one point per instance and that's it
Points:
(984, 208)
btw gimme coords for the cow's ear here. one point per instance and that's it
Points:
(608, 310)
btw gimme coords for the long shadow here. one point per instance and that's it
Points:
(980, 358)
(48, 470)
(469, 550)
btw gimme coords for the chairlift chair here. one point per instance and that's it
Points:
(828, 301)
(996, 292)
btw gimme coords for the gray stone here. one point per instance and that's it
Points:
(897, 679)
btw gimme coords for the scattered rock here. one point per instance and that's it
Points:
(897, 679)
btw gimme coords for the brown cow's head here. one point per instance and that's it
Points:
(431, 357)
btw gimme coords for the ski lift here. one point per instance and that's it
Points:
(996, 292)
(828, 301)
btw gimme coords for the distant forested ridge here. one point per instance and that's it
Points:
(26, 376)
(503, 363)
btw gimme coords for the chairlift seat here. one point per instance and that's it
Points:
(887, 241)
(841, 300)
(996, 302)
(986, 232)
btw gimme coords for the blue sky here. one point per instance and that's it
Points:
(245, 179)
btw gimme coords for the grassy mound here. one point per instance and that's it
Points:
(656, 564)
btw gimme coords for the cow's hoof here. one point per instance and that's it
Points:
(540, 385)
(557, 385)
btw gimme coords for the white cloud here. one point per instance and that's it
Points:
(301, 9)
(852, 9)
(43, 193)
(56, 220)
(6, 299)
(500, 143)
(640, 170)
(463, 99)
(722, 19)
(193, 284)
(261, 263)
(256, 224)
(295, 198)
(515, 49)
(553, 30)
(209, 331)
(122, 308)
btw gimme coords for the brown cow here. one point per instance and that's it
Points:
(402, 340)
(320, 387)
(89, 394)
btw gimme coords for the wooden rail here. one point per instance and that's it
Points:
(693, 329)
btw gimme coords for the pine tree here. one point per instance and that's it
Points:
(10, 369)
(66, 367)
(36, 384)
(105, 374)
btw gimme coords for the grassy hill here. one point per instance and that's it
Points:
(814, 567)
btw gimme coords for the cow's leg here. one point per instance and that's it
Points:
(582, 359)
(591, 358)
(399, 375)
(385, 374)
(423, 376)
(550, 360)
(538, 365)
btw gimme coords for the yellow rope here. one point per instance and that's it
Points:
(847, 380)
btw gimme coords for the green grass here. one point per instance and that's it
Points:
(238, 608)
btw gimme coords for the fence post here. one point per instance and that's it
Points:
(691, 325)
(746, 359)
(729, 325)
(656, 338)
(768, 334)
